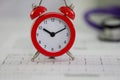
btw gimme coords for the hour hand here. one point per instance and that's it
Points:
(46, 31)
(52, 34)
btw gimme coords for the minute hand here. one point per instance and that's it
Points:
(60, 30)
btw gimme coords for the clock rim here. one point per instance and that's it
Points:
(46, 16)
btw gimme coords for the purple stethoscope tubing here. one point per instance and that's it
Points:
(115, 11)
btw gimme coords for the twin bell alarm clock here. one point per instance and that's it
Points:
(52, 33)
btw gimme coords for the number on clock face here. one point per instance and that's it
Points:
(53, 34)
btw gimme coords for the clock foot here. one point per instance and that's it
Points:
(35, 56)
(70, 55)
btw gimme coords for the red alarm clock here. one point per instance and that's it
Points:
(52, 33)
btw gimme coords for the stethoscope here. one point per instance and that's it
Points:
(109, 27)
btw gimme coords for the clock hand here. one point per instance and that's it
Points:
(60, 30)
(46, 31)
(52, 34)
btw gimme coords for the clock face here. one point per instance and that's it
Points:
(53, 34)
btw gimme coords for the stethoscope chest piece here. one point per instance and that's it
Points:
(111, 30)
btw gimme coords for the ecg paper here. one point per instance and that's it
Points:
(92, 59)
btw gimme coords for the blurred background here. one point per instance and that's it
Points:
(15, 19)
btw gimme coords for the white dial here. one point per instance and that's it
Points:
(53, 34)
